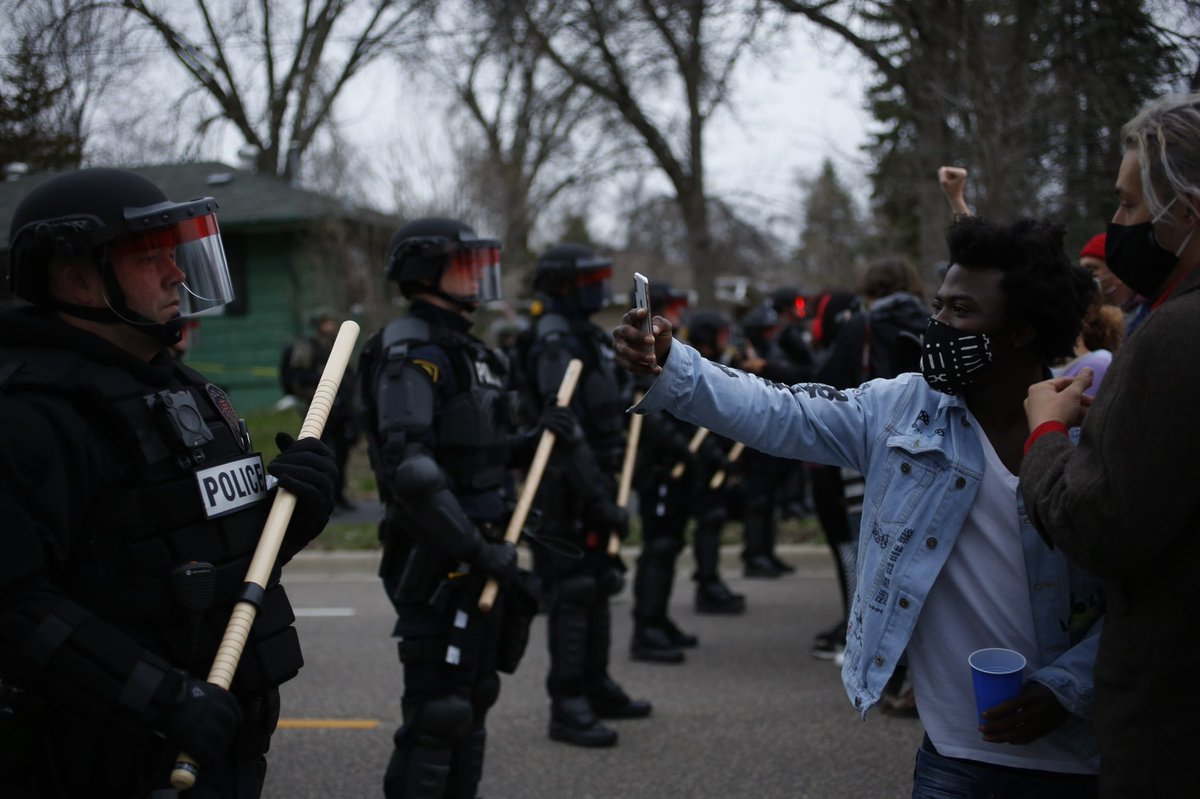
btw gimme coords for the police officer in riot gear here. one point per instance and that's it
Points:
(577, 496)
(763, 475)
(442, 422)
(708, 331)
(132, 503)
(664, 504)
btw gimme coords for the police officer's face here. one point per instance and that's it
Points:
(150, 279)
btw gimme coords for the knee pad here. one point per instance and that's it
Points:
(485, 693)
(578, 589)
(446, 718)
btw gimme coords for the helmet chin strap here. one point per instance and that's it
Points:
(166, 334)
(457, 302)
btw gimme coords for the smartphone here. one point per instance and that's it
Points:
(641, 299)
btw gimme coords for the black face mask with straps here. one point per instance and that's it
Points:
(950, 360)
(1133, 254)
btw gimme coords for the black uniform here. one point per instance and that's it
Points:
(300, 371)
(577, 502)
(132, 503)
(441, 425)
(765, 476)
(666, 505)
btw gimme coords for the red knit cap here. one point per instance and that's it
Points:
(1094, 248)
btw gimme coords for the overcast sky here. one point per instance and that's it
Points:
(786, 120)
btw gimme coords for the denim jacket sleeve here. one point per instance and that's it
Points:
(1072, 675)
(807, 421)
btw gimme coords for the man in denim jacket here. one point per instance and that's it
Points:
(948, 561)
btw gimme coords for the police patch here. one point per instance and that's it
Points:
(220, 401)
(429, 367)
(231, 486)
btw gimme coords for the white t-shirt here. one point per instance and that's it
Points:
(980, 599)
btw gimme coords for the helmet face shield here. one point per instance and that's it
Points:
(472, 271)
(194, 245)
(593, 284)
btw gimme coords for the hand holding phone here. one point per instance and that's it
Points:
(641, 299)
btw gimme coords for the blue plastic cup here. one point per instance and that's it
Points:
(997, 674)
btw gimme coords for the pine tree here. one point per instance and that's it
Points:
(28, 132)
(833, 236)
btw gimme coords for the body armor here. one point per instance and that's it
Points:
(173, 533)
(599, 395)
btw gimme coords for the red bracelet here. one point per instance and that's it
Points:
(1041, 430)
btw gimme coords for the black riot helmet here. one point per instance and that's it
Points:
(708, 329)
(425, 250)
(789, 302)
(577, 275)
(114, 218)
(668, 301)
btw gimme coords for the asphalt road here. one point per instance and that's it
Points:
(750, 714)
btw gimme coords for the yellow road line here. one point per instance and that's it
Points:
(328, 724)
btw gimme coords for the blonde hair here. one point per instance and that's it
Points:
(1166, 136)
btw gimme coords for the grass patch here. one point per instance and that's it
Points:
(360, 485)
(347, 535)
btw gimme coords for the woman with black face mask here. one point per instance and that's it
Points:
(1124, 502)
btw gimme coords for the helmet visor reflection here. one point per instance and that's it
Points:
(472, 273)
(196, 246)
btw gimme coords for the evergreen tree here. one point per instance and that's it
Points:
(28, 98)
(1028, 95)
(833, 236)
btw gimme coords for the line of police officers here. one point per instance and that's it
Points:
(121, 565)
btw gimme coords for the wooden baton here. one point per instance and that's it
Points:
(525, 501)
(631, 446)
(242, 619)
(735, 452)
(693, 447)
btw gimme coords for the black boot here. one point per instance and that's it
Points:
(782, 565)
(573, 721)
(756, 555)
(714, 597)
(610, 701)
(652, 644)
(678, 637)
(418, 769)
(760, 566)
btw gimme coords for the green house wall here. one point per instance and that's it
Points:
(241, 352)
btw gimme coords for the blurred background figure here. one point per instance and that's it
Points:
(664, 506)
(709, 332)
(577, 497)
(300, 373)
(1112, 290)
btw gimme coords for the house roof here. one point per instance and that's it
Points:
(245, 199)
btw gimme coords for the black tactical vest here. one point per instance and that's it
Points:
(187, 493)
(475, 427)
(601, 388)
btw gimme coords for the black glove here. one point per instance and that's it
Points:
(608, 516)
(561, 422)
(307, 469)
(497, 559)
(203, 720)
